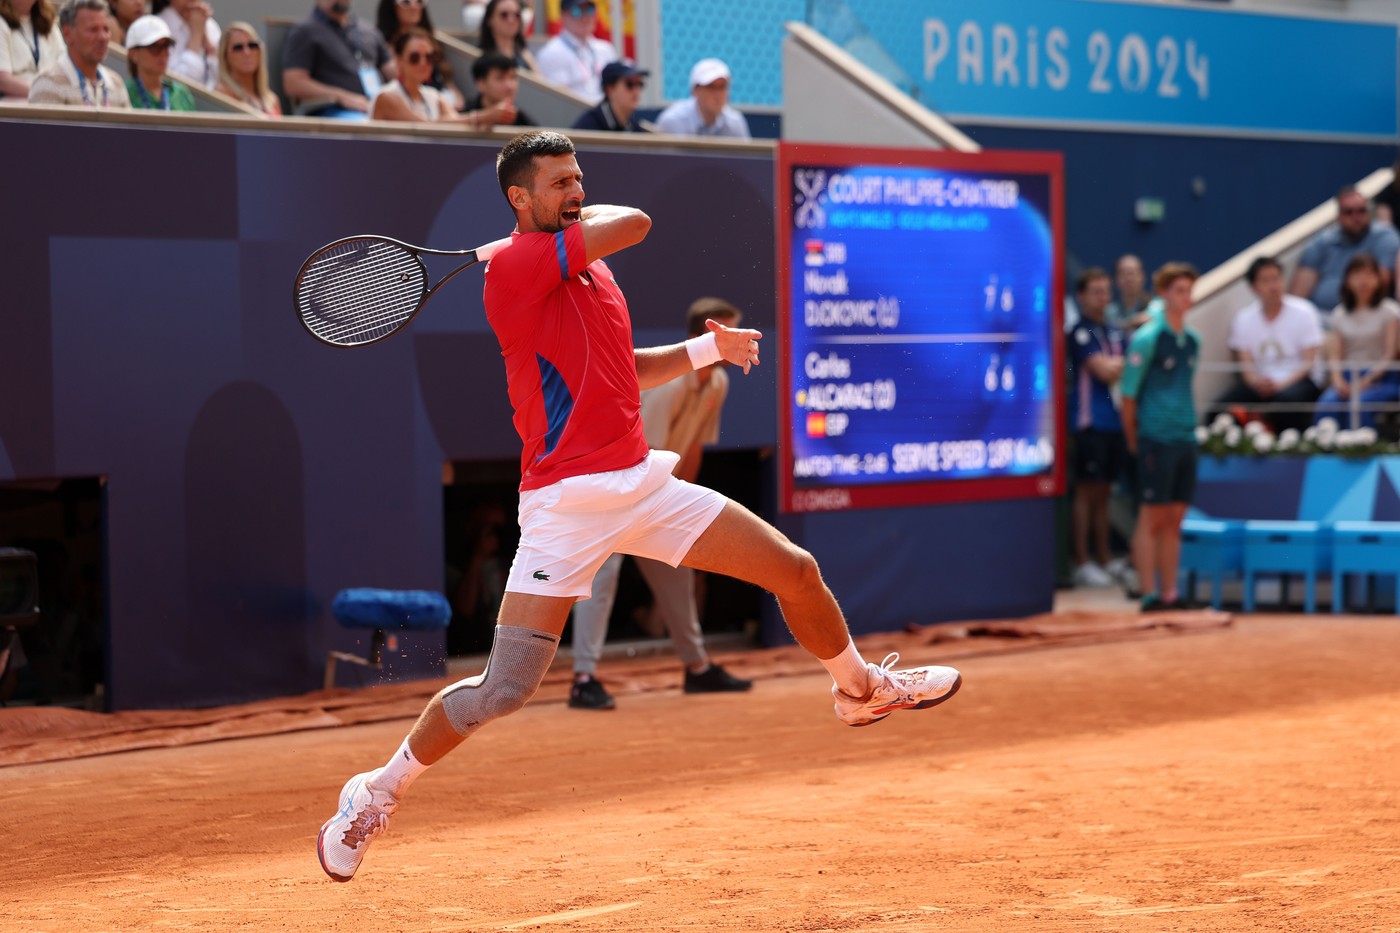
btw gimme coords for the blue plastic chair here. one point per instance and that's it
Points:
(381, 611)
(1211, 547)
(1363, 548)
(1286, 548)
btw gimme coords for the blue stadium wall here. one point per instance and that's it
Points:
(148, 337)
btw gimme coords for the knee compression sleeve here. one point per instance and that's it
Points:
(519, 659)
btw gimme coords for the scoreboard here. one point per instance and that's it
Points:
(920, 319)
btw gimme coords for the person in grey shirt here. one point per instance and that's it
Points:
(1318, 277)
(706, 112)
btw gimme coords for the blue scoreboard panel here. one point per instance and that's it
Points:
(920, 309)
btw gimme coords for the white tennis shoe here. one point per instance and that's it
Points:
(915, 688)
(364, 813)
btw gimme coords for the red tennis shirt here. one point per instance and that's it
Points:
(566, 337)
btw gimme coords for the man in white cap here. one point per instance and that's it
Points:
(706, 112)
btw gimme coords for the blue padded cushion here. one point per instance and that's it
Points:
(370, 608)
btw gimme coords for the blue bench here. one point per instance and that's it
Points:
(384, 612)
(1214, 548)
(1363, 548)
(1286, 548)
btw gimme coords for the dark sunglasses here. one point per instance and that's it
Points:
(635, 84)
(508, 14)
(583, 9)
(1355, 210)
(417, 58)
(240, 46)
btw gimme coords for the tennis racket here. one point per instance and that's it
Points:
(364, 289)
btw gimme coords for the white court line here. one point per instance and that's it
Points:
(568, 915)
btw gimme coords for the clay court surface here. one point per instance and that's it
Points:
(1236, 779)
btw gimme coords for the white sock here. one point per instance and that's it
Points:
(402, 770)
(849, 670)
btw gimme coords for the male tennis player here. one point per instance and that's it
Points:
(590, 486)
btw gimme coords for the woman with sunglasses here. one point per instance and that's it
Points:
(393, 17)
(411, 98)
(622, 95)
(503, 31)
(243, 70)
(148, 49)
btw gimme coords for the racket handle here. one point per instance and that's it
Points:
(484, 253)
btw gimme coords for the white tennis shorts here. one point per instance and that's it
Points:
(569, 528)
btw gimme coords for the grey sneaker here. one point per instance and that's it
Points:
(915, 688)
(364, 814)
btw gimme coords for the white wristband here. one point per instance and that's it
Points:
(703, 350)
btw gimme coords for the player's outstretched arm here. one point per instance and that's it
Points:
(608, 228)
(737, 345)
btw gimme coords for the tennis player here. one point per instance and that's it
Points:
(590, 486)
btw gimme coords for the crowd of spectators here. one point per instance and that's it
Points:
(336, 66)
(1323, 343)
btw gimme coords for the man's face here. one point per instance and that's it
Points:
(625, 94)
(555, 198)
(1268, 285)
(1353, 215)
(337, 9)
(1130, 277)
(500, 84)
(711, 98)
(581, 20)
(87, 37)
(1177, 295)
(1095, 298)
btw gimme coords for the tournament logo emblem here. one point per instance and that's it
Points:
(809, 184)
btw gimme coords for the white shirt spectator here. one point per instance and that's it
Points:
(576, 65)
(24, 55)
(1277, 346)
(683, 119)
(200, 69)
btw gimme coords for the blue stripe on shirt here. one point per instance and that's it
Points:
(563, 252)
(558, 403)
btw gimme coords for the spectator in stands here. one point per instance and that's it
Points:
(196, 55)
(1362, 342)
(78, 78)
(333, 64)
(120, 16)
(622, 93)
(1096, 351)
(243, 69)
(148, 51)
(503, 30)
(706, 112)
(680, 416)
(496, 86)
(1318, 277)
(1129, 312)
(30, 42)
(575, 58)
(394, 16)
(411, 98)
(1159, 428)
(1276, 340)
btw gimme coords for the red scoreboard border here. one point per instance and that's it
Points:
(837, 496)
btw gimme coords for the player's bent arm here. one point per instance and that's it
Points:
(608, 228)
(1105, 368)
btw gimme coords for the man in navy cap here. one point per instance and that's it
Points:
(575, 58)
(622, 92)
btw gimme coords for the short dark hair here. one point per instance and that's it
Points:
(402, 40)
(491, 61)
(1259, 265)
(516, 163)
(1091, 274)
(1350, 301)
(704, 308)
(1169, 273)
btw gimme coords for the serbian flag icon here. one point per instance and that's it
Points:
(816, 252)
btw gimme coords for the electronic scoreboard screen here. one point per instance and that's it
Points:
(920, 322)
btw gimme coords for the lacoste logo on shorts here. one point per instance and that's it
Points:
(541, 575)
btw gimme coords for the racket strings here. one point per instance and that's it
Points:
(358, 292)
